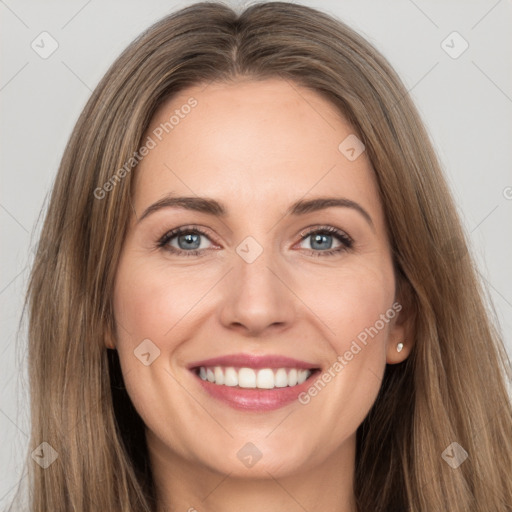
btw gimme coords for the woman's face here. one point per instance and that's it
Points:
(280, 287)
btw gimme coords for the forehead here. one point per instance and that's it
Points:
(260, 143)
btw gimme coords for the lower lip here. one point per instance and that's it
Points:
(254, 399)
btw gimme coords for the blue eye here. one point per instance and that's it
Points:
(188, 240)
(321, 238)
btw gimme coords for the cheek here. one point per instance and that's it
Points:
(149, 302)
(349, 301)
(154, 307)
(147, 307)
(356, 310)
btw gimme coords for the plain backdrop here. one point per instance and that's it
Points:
(465, 98)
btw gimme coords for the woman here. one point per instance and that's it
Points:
(189, 352)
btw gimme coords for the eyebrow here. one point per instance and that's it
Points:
(213, 207)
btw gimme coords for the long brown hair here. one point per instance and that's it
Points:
(452, 388)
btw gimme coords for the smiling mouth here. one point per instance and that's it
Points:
(251, 378)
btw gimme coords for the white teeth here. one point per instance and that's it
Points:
(230, 377)
(247, 378)
(265, 378)
(302, 376)
(281, 379)
(292, 377)
(219, 375)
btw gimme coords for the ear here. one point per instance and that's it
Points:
(109, 338)
(402, 326)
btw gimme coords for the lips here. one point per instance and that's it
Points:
(254, 382)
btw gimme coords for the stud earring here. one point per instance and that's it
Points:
(399, 347)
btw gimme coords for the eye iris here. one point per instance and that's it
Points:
(318, 238)
(190, 239)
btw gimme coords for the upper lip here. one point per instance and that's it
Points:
(254, 361)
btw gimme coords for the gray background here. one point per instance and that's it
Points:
(466, 103)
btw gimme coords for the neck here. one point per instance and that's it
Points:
(186, 485)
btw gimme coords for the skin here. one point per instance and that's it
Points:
(257, 147)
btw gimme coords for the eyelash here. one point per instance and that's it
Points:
(342, 237)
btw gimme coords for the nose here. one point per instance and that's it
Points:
(258, 296)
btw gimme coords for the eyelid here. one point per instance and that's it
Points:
(171, 233)
(324, 227)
